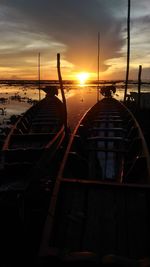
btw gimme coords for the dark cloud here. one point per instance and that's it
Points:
(74, 23)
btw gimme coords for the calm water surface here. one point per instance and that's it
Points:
(79, 99)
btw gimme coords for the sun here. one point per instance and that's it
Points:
(82, 77)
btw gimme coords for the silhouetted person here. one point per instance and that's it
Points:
(51, 90)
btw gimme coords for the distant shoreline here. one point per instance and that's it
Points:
(56, 82)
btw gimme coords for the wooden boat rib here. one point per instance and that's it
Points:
(100, 203)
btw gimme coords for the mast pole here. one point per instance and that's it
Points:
(39, 74)
(128, 51)
(139, 87)
(98, 56)
(62, 92)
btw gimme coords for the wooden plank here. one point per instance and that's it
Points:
(115, 129)
(101, 220)
(99, 233)
(138, 224)
(106, 138)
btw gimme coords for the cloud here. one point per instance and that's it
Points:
(70, 27)
(65, 26)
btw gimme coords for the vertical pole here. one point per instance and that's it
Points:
(128, 51)
(139, 87)
(39, 78)
(98, 56)
(62, 92)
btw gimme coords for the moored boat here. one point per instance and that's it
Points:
(99, 210)
(30, 157)
(33, 140)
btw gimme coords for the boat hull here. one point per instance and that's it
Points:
(100, 202)
(30, 159)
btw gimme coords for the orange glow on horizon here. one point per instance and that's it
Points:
(82, 77)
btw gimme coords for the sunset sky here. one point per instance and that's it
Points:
(70, 27)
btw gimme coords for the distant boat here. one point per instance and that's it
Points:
(32, 143)
(100, 202)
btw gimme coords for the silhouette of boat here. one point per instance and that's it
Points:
(33, 142)
(30, 157)
(99, 209)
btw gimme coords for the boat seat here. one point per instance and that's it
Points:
(107, 138)
(32, 136)
(107, 150)
(30, 140)
(108, 120)
(115, 129)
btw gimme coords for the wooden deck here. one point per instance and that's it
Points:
(98, 218)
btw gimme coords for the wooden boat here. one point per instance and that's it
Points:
(29, 161)
(100, 208)
(33, 142)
